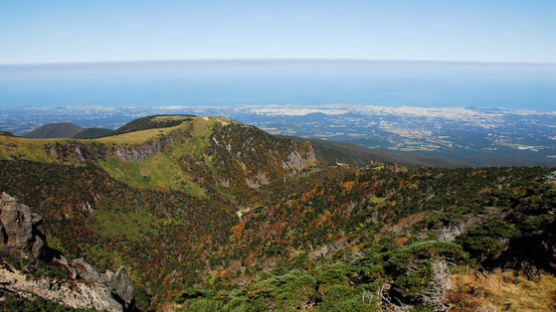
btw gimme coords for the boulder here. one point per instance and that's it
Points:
(119, 283)
(21, 231)
(122, 288)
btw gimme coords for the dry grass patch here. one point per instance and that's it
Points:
(501, 291)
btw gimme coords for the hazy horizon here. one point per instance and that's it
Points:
(200, 60)
(281, 82)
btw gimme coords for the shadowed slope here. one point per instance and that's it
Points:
(55, 130)
(93, 133)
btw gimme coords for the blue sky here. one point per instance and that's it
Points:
(46, 31)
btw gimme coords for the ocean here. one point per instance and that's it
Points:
(280, 82)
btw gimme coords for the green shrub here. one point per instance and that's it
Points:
(487, 240)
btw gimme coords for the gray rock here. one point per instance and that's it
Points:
(76, 294)
(86, 271)
(300, 159)
(122, 288)
(22, 234)
(108, 275)
(37, 248)
(141, 152)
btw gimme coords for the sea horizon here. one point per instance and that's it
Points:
(302, 82)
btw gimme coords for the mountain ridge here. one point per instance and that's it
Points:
(177, 151)
(326, 150)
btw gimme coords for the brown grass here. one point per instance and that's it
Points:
(499, 290)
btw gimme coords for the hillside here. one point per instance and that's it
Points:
(197, 155)
(93, 133)
(333, 152)
(6, 133)
(55, 130)
(207, 214)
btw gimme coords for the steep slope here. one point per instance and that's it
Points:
(55, 130)
(388, 238)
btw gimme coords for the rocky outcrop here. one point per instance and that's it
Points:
(68, 151)
(76, 151)
(122, 288)
(21, 230)
(73, 293)
(22, 236)
(300, 159)
(256, 181)
(119, 283)
(141, 152)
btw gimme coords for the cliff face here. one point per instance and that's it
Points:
(141, 152)
(300, 159)
(79, 151)
(22, 236)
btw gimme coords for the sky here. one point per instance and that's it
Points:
(48, 31)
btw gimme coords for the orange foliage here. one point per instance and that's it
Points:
(486, 190)
(165, 280)
(359, 246)
(411, 219)
(250, 260)
(308, 195)
(347, 186)
(237, 230)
